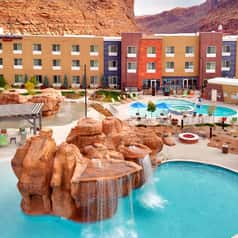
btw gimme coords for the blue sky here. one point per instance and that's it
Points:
(144, 7)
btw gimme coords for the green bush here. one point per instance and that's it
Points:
(30, 86)
(46, 82)
(151, 107)
(3, 82)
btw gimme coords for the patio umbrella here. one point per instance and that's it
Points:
(162, 106)
(138, 105)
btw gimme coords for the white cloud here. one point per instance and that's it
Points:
(144, 7)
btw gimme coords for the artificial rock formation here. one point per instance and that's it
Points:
(50, 97)
(8, 97)
(83, 178)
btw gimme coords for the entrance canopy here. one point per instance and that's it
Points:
(223, 81)
(29, 111)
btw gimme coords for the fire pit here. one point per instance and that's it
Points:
(188, 138)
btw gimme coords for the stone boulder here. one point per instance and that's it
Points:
(33, 165)
(111, 125)
(8, 97)
(67, 159)
(51, 99)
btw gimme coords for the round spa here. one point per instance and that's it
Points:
(188, 138)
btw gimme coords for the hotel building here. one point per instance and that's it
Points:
(54, 58)
(134, 61)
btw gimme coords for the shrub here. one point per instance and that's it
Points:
(46, 82)
(151, 107)
(30, 86)
(3, 82)
(33, 81)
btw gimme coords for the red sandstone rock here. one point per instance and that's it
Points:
(83, 187)
(67, 158)
(34, 171)
(12, 98)
(90, 17)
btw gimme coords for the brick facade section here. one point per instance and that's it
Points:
(231, 58)
(129, 39)
(107, 58)
(143, 60)
(210, 39)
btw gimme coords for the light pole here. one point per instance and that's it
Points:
(85, 92)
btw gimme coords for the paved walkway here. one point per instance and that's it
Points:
(201, 153)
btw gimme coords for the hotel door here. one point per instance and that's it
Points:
(153, 87)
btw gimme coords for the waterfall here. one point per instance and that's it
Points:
(149, 197)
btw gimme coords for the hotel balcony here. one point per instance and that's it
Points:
(96, 68)
(112, 68)
(151, 55)
(17, 52)
(75, 68)
(18, 67)
(37, 67)
(37, 52)
(56, 67)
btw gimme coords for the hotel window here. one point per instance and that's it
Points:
(151, 51)
(131, 51)
(211, 51)
(0, 47)
(131, 67)
(150, 67)
(189, 67)
(94, 65)
(112, 80)
(36, 49)
(189, 51)
(169, 67)
(18, 63)
(1, 63)
(226, 65)
(56, 63)
(56, 49)
(170, 51)
(211, 67)
(94, 81)
(75, 50)
(19, 79)
(57, 79)
(75, 79)
(39, 79)
(17, 48)
(37, 63)
(94, 50)
(226, 50)
(112, 50)
(76, 64)
(112, 65)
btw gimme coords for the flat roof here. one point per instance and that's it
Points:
(224, 81)
(230, 38)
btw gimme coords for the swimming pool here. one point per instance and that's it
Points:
(185, 200)
(179, 106)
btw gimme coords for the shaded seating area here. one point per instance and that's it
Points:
(31, 112)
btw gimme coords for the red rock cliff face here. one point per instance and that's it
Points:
(205, 17)
(104, 17)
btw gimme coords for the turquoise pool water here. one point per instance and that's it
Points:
(199, 202)
(183, 105)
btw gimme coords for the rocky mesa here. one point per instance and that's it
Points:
(58, 17)
(205, 17)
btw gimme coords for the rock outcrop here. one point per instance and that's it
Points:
(58, 17)
(205, 17)
(50, 97)
(83, 178)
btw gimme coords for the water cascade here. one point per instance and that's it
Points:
(150, 198)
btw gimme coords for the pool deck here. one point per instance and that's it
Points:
(181, 152)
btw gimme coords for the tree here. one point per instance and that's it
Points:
(25, 78)
(33, 81)
(46, 82)
(65, 83)
(151, 107)
(3, 82)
